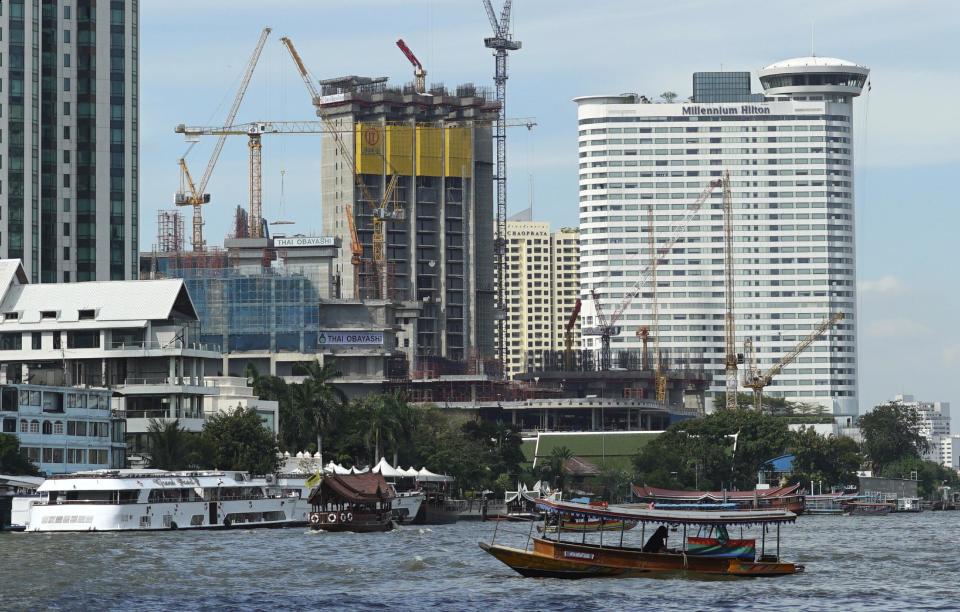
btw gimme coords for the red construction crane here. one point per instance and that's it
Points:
(419, 74)
(568, 334)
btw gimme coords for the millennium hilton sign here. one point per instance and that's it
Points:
(743, 109)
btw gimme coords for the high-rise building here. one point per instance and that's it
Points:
(70, 131)
(439, 250)
(934, 426)
(790, 159)
(544, 284)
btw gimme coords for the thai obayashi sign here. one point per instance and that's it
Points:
(305, 241)
(345, 338)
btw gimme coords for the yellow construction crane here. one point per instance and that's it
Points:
(753, 379)
(379, 208)
(194, 194)
(659, 377)
(356, 250)
(730, 326)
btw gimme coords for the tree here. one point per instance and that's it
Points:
(891, 432)
(13, 461)
(832, 460)
(318, 399)
(239, 441)
(668, 96)
(553, 468)
(171, 446)
(388, 421)
(931, 476)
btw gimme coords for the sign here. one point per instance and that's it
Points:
(371, 136)
(341, 338)
(742, 109)
(305, 241)
(576, 554)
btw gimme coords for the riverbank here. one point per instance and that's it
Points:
(851, 562)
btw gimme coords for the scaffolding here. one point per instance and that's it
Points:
(169, 231)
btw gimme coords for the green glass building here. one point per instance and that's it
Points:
(68, 138)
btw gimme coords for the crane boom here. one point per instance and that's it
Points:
(729, 289)
(419, 74)
(492, 16)
(302, 69)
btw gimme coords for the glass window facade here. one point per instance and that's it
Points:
(723, 87)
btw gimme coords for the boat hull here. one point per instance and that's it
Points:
(567, 560)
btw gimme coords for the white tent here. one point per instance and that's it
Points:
(335, 468)
(410, 472)
(354, 470)
(386, 470)
(425, 475)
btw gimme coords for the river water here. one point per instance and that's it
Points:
(898, 562)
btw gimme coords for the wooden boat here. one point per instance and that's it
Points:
(556, 558)
(789, 497)
(581, 524)
(859, 508)
(352, 502)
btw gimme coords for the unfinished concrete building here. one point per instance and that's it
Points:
(439, 251)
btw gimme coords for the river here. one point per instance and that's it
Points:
(904, 561)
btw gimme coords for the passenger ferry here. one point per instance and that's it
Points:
(145, 499)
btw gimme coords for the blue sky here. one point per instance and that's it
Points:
(192, 54)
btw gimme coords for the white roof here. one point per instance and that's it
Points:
(386, 470)
(811, 60)
(133, 301)
(114, 480)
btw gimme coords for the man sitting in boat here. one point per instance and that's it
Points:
(658, 541)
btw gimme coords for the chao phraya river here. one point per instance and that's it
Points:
(898, 562)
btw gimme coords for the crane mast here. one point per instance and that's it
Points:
(757, 381)
(501, 43)
(659, 377)
(729, 321)
(197, 195)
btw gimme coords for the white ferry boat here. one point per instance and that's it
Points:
(119, 500)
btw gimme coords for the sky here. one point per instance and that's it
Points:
(906, 128)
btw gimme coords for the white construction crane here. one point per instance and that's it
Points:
(194, 194)
(752, 377)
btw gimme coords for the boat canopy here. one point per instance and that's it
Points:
(353, 488)
(646, 493)
(668, 517)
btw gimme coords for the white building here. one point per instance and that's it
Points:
(70, 127)
(234, 393)
(544, 283)
(790, 159)
(935, 427)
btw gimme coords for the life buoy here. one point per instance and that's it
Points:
(343, 517)
(349, 516)
(332, 517)
(314, 518)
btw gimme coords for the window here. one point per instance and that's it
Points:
(66, 12)
(83, 339)
(66, 180)
(66, 60)
(66, 87)
(36, 341)
(10, 342)
(56, 340)
(9, 425)
(47, 428)
(66, 109)
(66, 36)
(58, 428)
(48, 314)
(24, 427)
(87, 314)
(11, 316)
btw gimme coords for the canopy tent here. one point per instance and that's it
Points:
(386, 470)
(410, 472)
(335, 468)
(425, 475)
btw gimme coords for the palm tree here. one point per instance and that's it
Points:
(319, 399)
(555, 465)
(171, 447)
(389, 420)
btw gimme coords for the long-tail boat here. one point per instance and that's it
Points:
(716, 555)
(789, 497)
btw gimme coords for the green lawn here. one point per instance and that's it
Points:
(605, 450)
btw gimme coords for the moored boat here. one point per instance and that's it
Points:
(352, 502)
(140, 500)
(789, 497)
(861, 508)
(715, 555)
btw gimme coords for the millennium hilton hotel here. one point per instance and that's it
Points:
(789, 152)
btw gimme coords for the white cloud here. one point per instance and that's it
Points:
(884, 284)
(896, 328)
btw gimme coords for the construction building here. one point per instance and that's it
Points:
(543, 287)
(790, 163)
(439, 246)
(70, 133)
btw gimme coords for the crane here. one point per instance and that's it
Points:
(607, 326)
(757, 381)
(356, 250)
(729, 325)
(419, 74)
(191, 194)
(659, 377)
(501, 42)
(568, 334)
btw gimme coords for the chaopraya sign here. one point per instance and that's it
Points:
(305, 241)
(337, 338)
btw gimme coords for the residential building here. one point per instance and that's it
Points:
(64, 429)
(70, 131)
(439, 249)
(934, 426)
(790, 160)
(138, 338)
(235, 393)
(544, 284)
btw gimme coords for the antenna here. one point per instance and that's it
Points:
(812, 53)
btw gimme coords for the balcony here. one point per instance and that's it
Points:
(164, 346)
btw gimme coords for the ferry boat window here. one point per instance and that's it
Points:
(129, 497)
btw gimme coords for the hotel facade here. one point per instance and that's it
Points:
(789, 153)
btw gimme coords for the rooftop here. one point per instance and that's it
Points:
(812, 60)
